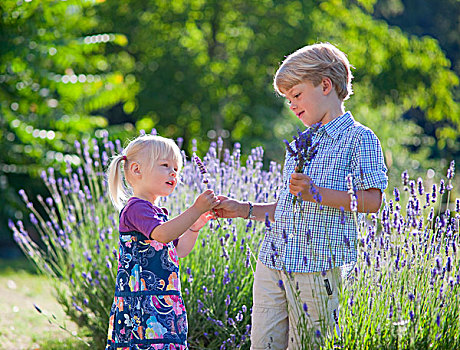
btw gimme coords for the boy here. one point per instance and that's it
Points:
(313, 245)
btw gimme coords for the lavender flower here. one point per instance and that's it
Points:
(396, 193)
(303, 151)
(354, 203)
(405, 179)
(451, 170)
(342, 216)
(281, 284)
(267, 221)
(442, 187)
(420, 187)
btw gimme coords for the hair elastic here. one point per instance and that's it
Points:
(124, 158)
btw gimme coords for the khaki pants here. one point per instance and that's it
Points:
(279, 319)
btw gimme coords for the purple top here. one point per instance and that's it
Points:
(141, 216)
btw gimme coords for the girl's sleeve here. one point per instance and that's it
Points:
(143, 217)
(370, 170)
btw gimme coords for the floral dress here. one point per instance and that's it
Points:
(148, 311)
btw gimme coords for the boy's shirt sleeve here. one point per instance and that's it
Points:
(369, 165)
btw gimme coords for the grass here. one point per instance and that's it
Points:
(21, 326)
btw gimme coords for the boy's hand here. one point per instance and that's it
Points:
(300, 183)
(206, 201)
(202, 220)
(231, 208)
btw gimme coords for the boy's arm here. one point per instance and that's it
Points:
(369, 201)
(232, 208)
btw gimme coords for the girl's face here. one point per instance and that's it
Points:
(159, 180)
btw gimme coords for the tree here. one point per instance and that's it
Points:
(206, 68)
(55, 77)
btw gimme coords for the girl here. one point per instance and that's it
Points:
(148, 311)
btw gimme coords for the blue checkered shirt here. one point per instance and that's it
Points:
(312, 239)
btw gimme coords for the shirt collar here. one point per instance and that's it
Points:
(335, 127)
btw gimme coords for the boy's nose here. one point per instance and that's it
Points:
(173, 173)
(292, 106)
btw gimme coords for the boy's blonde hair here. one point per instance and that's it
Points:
(313, 63)
(145, 150)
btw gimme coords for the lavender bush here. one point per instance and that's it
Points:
(401, 294)
(78, 225)
(78, 237)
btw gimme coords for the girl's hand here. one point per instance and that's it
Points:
(206, 201)
(202, 220)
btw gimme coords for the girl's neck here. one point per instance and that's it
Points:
(151, 199)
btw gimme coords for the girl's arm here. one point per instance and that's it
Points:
(187, 240)
(174, 228)
(369, 201)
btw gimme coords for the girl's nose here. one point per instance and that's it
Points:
(292, 106)
(173, 173)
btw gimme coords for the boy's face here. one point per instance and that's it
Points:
(308, 102)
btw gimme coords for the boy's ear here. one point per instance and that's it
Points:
(327, 86)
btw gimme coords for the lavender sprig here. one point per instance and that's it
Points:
(203, 172)
(202, 169)
(304, 150)
(53, 320)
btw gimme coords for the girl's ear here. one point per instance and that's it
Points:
(327, 86)
(135, 168)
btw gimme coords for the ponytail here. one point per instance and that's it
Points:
(117, 190)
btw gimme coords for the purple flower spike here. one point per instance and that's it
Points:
(350, 186)
(301, 149)
(451, 170)
(354, 204)
(405, 178)
(289, 149)
(342, 215)
(267, 221)
(442, 187)
(396, 193)
(180, 142)
(281, 284)
(420, 187)
(220, 143)
(201, 167)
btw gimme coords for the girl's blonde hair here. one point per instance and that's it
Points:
(313, 63)
(145, 150)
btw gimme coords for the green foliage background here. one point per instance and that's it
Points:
(202, 69)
